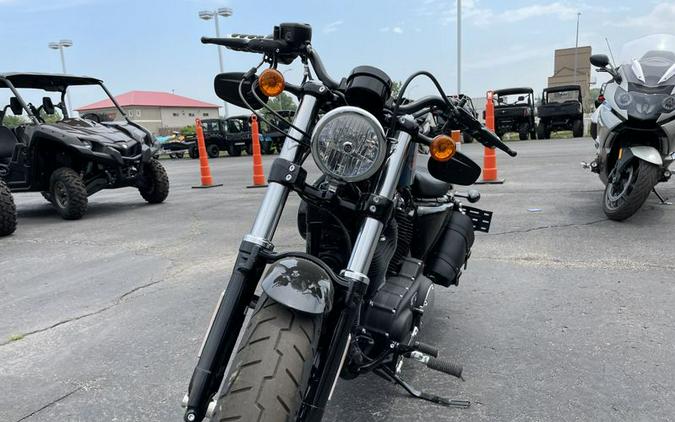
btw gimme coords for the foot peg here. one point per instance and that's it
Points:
(439, 365)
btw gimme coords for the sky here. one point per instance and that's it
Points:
(154, 45)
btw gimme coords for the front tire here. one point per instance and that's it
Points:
(578, 128)
(623, 198)
(542, 131)
(193, 152)
(69, 194)
(270, 371)
(7, 211)
(212, 151)
(154, 186)
(523, 131)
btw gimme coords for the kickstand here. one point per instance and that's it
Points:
(663, 201)
(389, 375)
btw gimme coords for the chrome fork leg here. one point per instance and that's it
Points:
(272, 206)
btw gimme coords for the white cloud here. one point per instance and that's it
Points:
(385, 29)
(332, 27)
(474, 13)
(397, 30)
(660, 19)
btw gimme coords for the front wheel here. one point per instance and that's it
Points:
(7, 211)
(193, 152)
(523, 131)
(154, 186)
(270, 372)
(212, 151)
(627, 191)
(578, 128)
(542, 131)
(68, 192)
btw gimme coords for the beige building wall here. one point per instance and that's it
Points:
(156, 118)
(177, 117)
(563, 71)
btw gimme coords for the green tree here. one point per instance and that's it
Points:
(51, 118)
(396, 88)
(282, 102)
(188, 130)
(589, 101)
(14, 121)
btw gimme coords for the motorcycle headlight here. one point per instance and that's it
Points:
(348, 144)
(623, 99)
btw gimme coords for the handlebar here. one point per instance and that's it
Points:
(465, 120)
(249, 43)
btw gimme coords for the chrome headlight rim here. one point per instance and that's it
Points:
(376, 126)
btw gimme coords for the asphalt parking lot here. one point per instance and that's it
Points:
(561, 315)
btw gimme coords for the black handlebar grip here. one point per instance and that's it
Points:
(445, 367)
(427, 349)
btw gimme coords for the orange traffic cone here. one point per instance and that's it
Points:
(258, 172)
(456, 136)
(489, 154)
(205, 170)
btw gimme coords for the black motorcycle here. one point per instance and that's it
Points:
(380, 235)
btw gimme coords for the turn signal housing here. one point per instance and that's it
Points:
(271, 82)
(442, 148)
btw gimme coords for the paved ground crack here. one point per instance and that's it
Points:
(51, 403)
(116, 302)
(551, 226)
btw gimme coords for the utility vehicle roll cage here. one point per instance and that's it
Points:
(51, 83)
(562, 88)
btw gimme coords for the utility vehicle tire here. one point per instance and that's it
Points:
(180, 155)
(249, 149)
(193, 152)
(212, 151)
(69, 193)
(270, 371)
(466, 138)
(234, 151)
(620, 207)
(523, 132)
(154, 187)
(578, 128)
(542, 131)
(7, 211)
(47, 196)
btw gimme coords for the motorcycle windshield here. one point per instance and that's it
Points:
(648, 65)
(650, 61)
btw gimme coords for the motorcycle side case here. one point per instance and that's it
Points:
(429, 223)
(300, 284)
(448, 256)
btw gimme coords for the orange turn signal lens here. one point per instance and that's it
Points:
(442, 148)
(271, 82)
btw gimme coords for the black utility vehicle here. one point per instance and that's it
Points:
(43, 149)
(514, 112)
(277, 137)
(232, 134)
(560, 109)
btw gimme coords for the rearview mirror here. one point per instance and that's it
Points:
(15, 106)
(226, 86)
(600, 60)
(459, 170)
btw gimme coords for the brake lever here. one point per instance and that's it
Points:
(480, 132)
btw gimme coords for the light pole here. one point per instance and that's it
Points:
(459, 46)
(207, 15)
(576, 50)
(60, 46)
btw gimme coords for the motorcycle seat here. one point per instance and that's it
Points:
(426, 186)
(7, 143)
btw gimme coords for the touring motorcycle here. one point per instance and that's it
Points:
(634, 124)
(380, 236)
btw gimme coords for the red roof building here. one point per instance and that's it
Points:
(154, 110)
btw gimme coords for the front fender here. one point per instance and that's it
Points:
(299, 283)
(648, 154)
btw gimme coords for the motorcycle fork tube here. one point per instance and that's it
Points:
(231, 311)
(357, 268)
